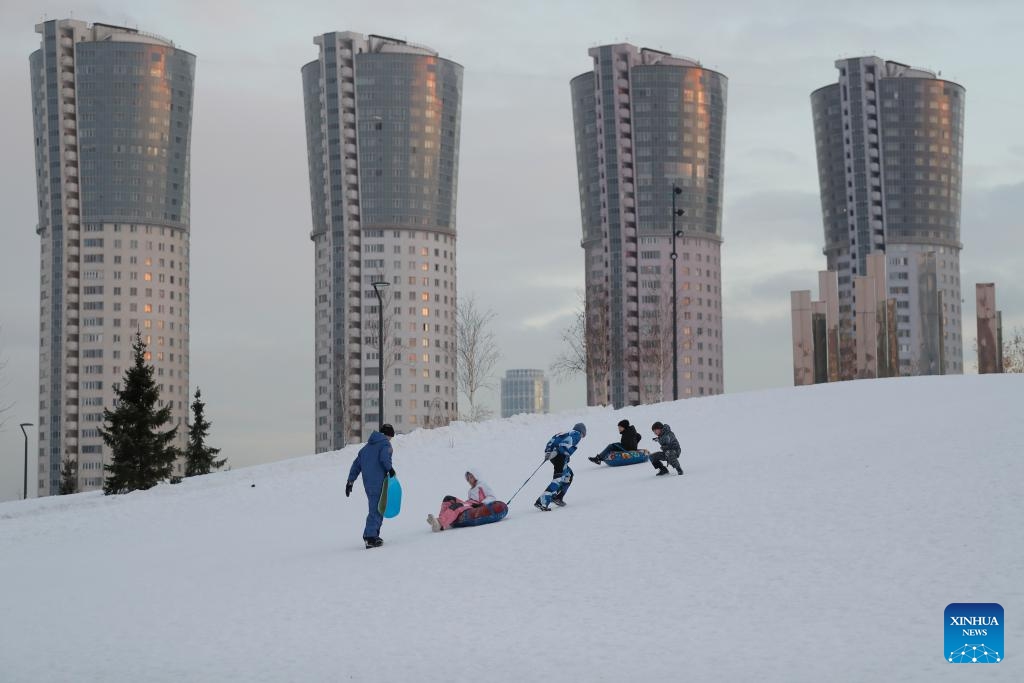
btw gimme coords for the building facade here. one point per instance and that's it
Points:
(647, 122)
(382, 133)
(889, 143)
(525, 391)
(112, 114)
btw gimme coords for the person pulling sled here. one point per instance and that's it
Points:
(559, 449)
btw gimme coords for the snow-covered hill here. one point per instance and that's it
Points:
(817, 535)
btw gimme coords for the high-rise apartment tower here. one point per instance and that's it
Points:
(650, 136)
(890, 164)
(382, 132)
(112, 114)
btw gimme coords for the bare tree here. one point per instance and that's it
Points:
(1013, 352)
(587, 347)
(477, 354)
(572, 360)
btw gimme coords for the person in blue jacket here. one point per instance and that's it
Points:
(558, 450)
(374, 462)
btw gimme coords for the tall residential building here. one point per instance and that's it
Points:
(890, 148)
(382, 131)
(524, 391)
(647, 122)
(112, 113)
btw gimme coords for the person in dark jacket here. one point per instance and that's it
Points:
(670, 450)
(559, 449)
(629, 440)
(374, 463)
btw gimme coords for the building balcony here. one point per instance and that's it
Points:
(345, 53)
(350, 148)
(351, 164)
(67, 76)
(70, 141)
(73, 218)
(346, 71)
(68, 93)
(348, 103)
(70, 155)
(66, 42)
(352, 179)
(352, 195)
(71, 187)
(348, 87)
(72, 203)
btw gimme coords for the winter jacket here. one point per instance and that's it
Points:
(450, 511)
(373, 461)
(630, 438)
(563, 444)
(669, 443)
(481, 493)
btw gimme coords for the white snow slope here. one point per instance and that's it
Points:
(818, 535)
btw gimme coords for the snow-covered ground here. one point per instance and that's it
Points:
(818, 535)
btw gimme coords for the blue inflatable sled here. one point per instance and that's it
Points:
(390, 503)
(620, 458)
(487, 513)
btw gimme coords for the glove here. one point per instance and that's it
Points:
(548, 455)
(391, 472)
(348, 489)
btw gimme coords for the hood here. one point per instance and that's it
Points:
(665, 427)
(376, 438)
(476, 475)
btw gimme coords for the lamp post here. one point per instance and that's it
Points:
(676, 190)
(380, 349)
(24, 495)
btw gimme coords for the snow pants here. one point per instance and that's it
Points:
(373, 518)
(660, 458)
(610, 448)
(559, 483)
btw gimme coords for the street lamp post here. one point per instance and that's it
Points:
(380, 349)
(23, 425)
(676, 190)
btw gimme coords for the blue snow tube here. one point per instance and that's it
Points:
(487, 513)
(620, 458)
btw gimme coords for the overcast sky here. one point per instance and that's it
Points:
(518, 210)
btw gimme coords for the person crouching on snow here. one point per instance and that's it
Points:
(670, 450)
(559, 449)
(451, 514)
(629, 440)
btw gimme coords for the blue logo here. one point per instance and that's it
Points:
(974, 633)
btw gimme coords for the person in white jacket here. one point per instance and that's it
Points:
(479, 492)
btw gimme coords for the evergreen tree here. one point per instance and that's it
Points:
(199, 458)
(141, 454)
(68, 477)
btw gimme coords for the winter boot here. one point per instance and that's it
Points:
(679, 469)
(662, 471)
(435, 525)
(559, 502)
(596, 459)
(374, 542)
(541, 506)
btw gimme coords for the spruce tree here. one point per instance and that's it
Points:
(142, 453)
(199, 458)
(68, 477)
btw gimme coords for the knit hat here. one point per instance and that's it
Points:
(623, 423)
(387, 430)
(657, 425)
(581, 428)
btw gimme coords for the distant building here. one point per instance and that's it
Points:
(819, 356)
(112, 114)
(382, 132)
(647, 122)
(990, 329)
(889, 141)
(524, 391)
